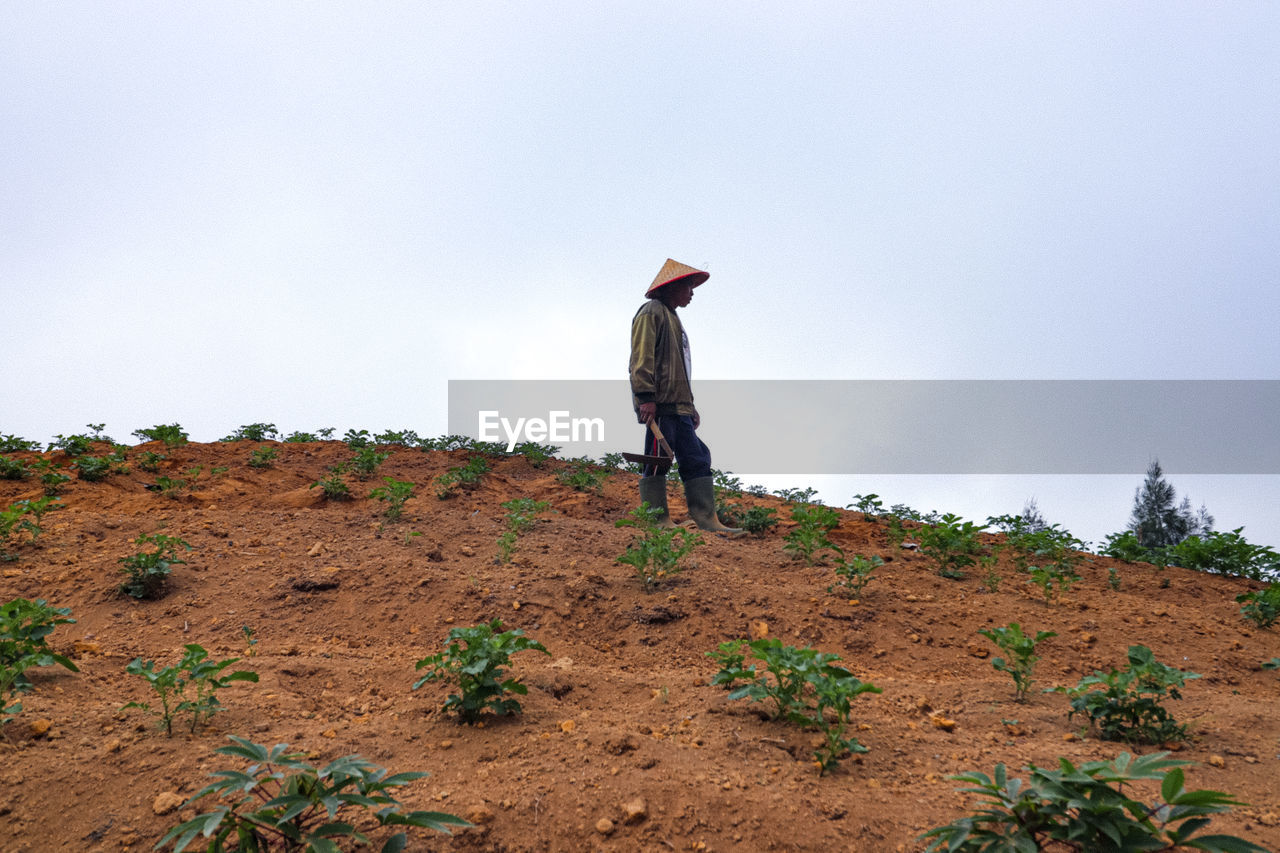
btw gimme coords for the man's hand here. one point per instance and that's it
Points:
(647, 411)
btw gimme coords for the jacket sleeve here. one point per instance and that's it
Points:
(644, 343)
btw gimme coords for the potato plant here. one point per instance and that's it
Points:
(952, 544)
(854, 573)
(148, 571)
(809, 537)
(333, 486)
(474, 661)
(1125, 705)
(1088, 808)
(655, 552)
(189, 687)
(23, 517)
(263, 456)
(395, 493)
(254, 432)
(1020, 649)
(1262, 606)
(24, 630)
(461, 477)
(583, 476)
(173, 435)
(282, 802)
(522, 515)
(13, 469)
(14, 444)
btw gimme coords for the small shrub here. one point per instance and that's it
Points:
(281, 802)
(806, 686)
(461, 477)
(150, 461)
(149, 570)
(1226, 554)
(51, 476)
(952, 544)
(809, 537)
(13, 469)
(536, 454)
(797, 495)
(24, 630)
(1261, 607)
(262, 457)
(395, 493)
(655, 552)
(189, 687)
(334, 487)
(95, 468)
(1087, 808)
(14, 444)
(1125, 546)
(23, 517)
(254, 432)
(1052, 580)
(854, 573)
(172, 435)
(1021, 651)
(869, 505)
(582, 476)
(1125, 705)
(757, 519)
(402, 437)
(367, 461)
(357, 438)
(474, 661)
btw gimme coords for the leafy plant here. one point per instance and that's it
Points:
(254, 432)
(334, 487)
(23, 516)
(869, 505)
(72, 445)
(149, 570)
(536, 454)
(51, 477)
(263, 456)
(1087, 808)
(95, 468)
(655, 552)
(1262, 606)
(403, 437)
(1021, 651)
(281, 802)
(14, 444)
(24, 630)
(809, 537)
(188, 687)
(1053, 580)
(474, 661)
(395, 493)
(149, 460)
(357, 438)
(367, 461)
(1125, 705)
(806, 686)
(465, 476)
(952, 544)
(854, 573)
(757, 519)
(172, 435)
(583, 476)
(1226, 554)
(797, 495)
(13, 469)
(1113, 578)
(521, 516)
(170, 487)
(250, 641)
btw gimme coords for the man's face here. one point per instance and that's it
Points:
(679, 294)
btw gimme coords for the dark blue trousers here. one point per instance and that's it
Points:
(691, 453)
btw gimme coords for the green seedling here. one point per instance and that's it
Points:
(757, 519)
(334, 487)
(148, 571)
(367, 461)
(24, 517)
(797, 496)
(805, 685)
(1021, 659)
(474, 661)
(24, 630)
(395, 493)
(869, 505)
(1113, 578)
(536, 454)
(1261, 607)
(1052, 581)
(854, 573)
(262, 457)
(189, 687)
(582, 476)
(1125, 705)
(13, 469)
(281, 802)
(72, 445)
(170, 487)
(1088, 808)
(357, 439)
(254, 432)
(14, 444)
(952, 544)
(1125, 546)
(809, 537)
(172, 435)
(402, 437)
(521, 516)
(1225, 554)
(461, 477)
(150, 461)
(990, 577)
(250, 641)
(51, 476)
(655, 552)
(95, 468)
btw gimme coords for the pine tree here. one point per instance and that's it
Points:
(1157, 520)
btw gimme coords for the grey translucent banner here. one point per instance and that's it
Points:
(908, 426)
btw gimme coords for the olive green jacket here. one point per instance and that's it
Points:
(659, 373)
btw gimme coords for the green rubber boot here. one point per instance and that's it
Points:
(700, 494)
(653, 491)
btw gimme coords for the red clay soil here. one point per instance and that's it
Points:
(623, 745)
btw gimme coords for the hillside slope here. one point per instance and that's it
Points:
(343, 602)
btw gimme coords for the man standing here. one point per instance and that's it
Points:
(661, 391)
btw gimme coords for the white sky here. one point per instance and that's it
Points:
(317, 214)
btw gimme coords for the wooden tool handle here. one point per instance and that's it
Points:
(662, 439)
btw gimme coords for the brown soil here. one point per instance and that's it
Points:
(343, 604)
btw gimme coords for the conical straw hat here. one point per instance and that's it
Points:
(673, 271)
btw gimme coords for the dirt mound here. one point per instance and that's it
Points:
(623, 744)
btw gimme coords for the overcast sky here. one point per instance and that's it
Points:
(316, 214)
